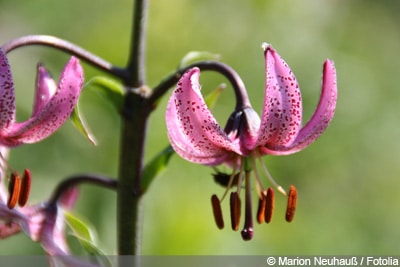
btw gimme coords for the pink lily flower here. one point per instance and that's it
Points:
(196, 136)
(43, 222)
(51, 108)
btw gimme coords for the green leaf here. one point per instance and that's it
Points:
(111, 90)
(195, 56)
(98, 256)
(212, 97)
(156, 166)
(79, 227)
(87, 237)
(80, 124)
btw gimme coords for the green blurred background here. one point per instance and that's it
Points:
(348, 180)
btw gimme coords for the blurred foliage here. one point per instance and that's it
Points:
(348, 181)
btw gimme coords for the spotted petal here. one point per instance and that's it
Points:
(45, 89)
(193, 131)
(321, 118)
(49, 117)
(282, 111)
(7, 96)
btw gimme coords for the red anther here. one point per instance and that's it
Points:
(269, 205)
(262, 202)
(235, 210)
(25, 187)
(291, 204)
(14, 188)
(216, 206)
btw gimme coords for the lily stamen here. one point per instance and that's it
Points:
(235, 207)
(291, 204)
(278, 187)
(14, 187)
(269, 205)
(217, 211)
(262, 203)
(196, 135)
(26, 181)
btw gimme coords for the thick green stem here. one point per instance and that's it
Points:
(130, 172)
(136, 63)
(133, 136)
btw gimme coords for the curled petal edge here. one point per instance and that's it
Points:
(57, 110)
(192, 130)
(321, 118)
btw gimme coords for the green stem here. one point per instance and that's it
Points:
(136, 63)
(134, 124)
(130, 172)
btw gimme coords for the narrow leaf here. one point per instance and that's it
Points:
(79, 227)
(111, 90)
(87, 237)
(98, 255)
(212, 98)
(156, 166)
(80, 124)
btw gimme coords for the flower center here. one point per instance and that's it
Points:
(266, 196)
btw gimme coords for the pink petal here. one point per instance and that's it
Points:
(281, 115)
(321, 118)
(7, 96)
(193, 131)
(57, 110)
(52, 235)
(45, 89)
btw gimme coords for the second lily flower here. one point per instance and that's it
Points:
(196, 136)
(52, 104)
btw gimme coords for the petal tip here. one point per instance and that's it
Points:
(265, 46)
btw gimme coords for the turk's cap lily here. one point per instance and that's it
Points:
(196, 136)
(53, 104)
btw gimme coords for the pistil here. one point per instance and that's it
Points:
(247, 232)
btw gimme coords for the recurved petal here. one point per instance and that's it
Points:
(7, 95)
(282, 110)
(321, 118)
(56, 111)
(192, 130)
(44, 91)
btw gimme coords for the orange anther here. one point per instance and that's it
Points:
(269, 206)
(291, 204)
(14, 188)
(25, 187)
(216, 206)
(235, 210)
(262, 202)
